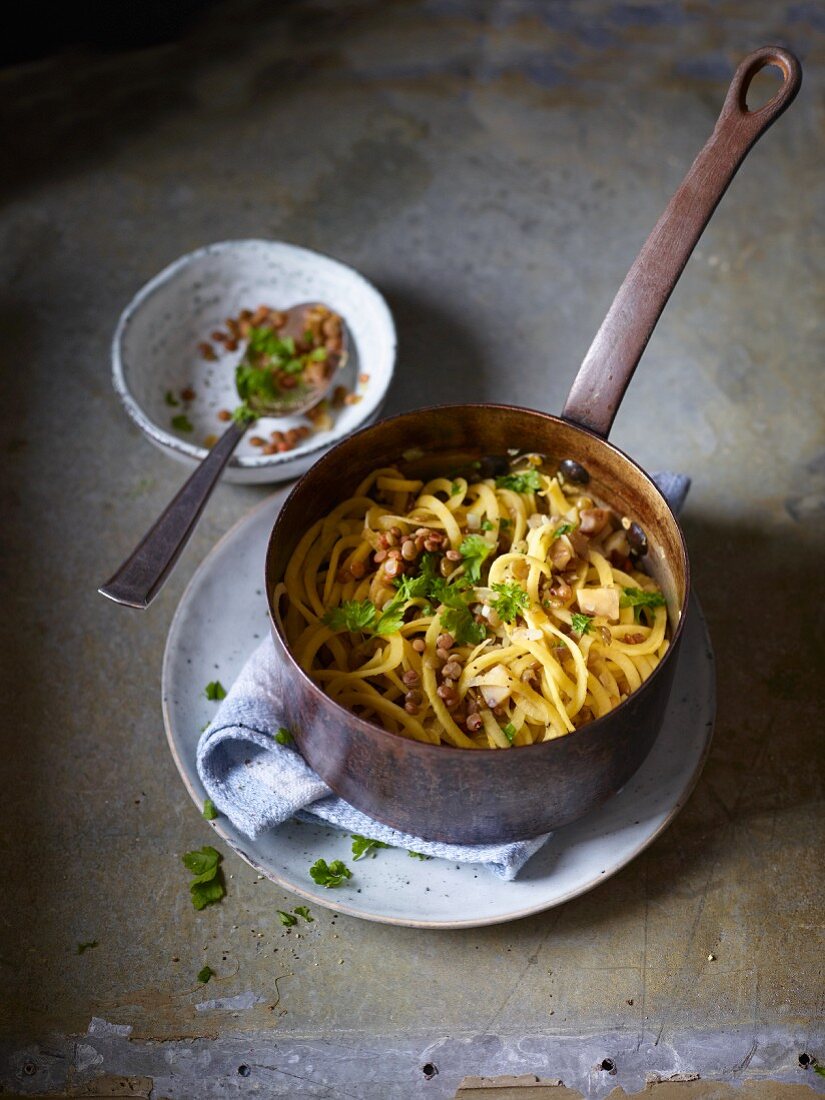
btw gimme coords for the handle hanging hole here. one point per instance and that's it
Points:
(763, 86)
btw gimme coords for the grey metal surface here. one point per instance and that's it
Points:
(493, 167)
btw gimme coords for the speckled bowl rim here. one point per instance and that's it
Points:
(253, 462)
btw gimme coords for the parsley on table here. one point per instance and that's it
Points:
(563, 529)
(362, 845)
(86, 946)
(302, 911)
(215, 691)
(170, 399)
(510, 601)
(474, 550)
(509, 732)
(182, 423)
(283, 736)
(527, 481)
(329, 874)
(210, 810)
(581, 623)
(286, 919)
(820, 1070)
(417, 855)
(205, 974)
(207, 886)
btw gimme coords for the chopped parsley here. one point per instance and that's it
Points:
(205, 974)
(210, 810)
(171, 400)
(215, 691)
(818, 1069)
(505, 523)
(563, 529)
(526, 481)
(182, 423)
(581, 623)
(487, 525)
(511, 600)
(283, 736)
(87, 945)
(286, 919)
(509, 732)
(474, 550)
(207, 886)
(637, 597)
(455, 489)
(329, 874)
(362, 615)
(417, 855)
(243, 414)
(363, 845)
(302, 911)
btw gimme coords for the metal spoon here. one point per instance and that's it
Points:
(141, 576)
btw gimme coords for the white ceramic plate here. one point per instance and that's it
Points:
(220, 620)
(155, 349)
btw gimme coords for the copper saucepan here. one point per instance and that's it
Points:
(487, 795)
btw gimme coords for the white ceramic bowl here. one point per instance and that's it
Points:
(155, 349)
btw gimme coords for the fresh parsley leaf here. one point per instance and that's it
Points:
(207, 893)
(505, 523)
(302, 911)
(581, 623)
(563, 529)
(286, 919)
(637, 597)
(459, 622)
(455, 489)
(170, 399)
(283, 736)
(202, 860)
(417, 855)
(352, 615)
(182, 423)
(205, 974)
(526, 481)
(207, 886)
(254, 383)
(510, 601)
(487, 525)
(210, 810)
(86, 946)
(361, 845)
(318, 355)
(215, 691)
(474, 550)
(243, 414)
(329, 874)
(509, 732)
(392, 617)
(411, 588)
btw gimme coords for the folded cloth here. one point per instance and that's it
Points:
(259, 783)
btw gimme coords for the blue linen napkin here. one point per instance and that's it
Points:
(259, 784)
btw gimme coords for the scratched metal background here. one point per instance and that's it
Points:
(493, 166)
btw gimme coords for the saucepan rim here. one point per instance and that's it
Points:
(373, 728)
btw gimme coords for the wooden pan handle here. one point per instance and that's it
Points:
(618, 346)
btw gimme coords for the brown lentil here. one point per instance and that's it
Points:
(358, 569)
(474, 722)
(379, 556)
(419, 645)
(257, 441)
(409, 551)
(393, 567)
(452, 670)
(445, 641)
(207, 352)
(410, 677)
(454, 555)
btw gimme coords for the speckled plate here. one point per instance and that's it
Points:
(155, 350)
(220, 620)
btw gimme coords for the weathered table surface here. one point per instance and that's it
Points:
(493, 167)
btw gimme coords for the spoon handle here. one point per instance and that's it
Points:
(618, 346)
(141, 576)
